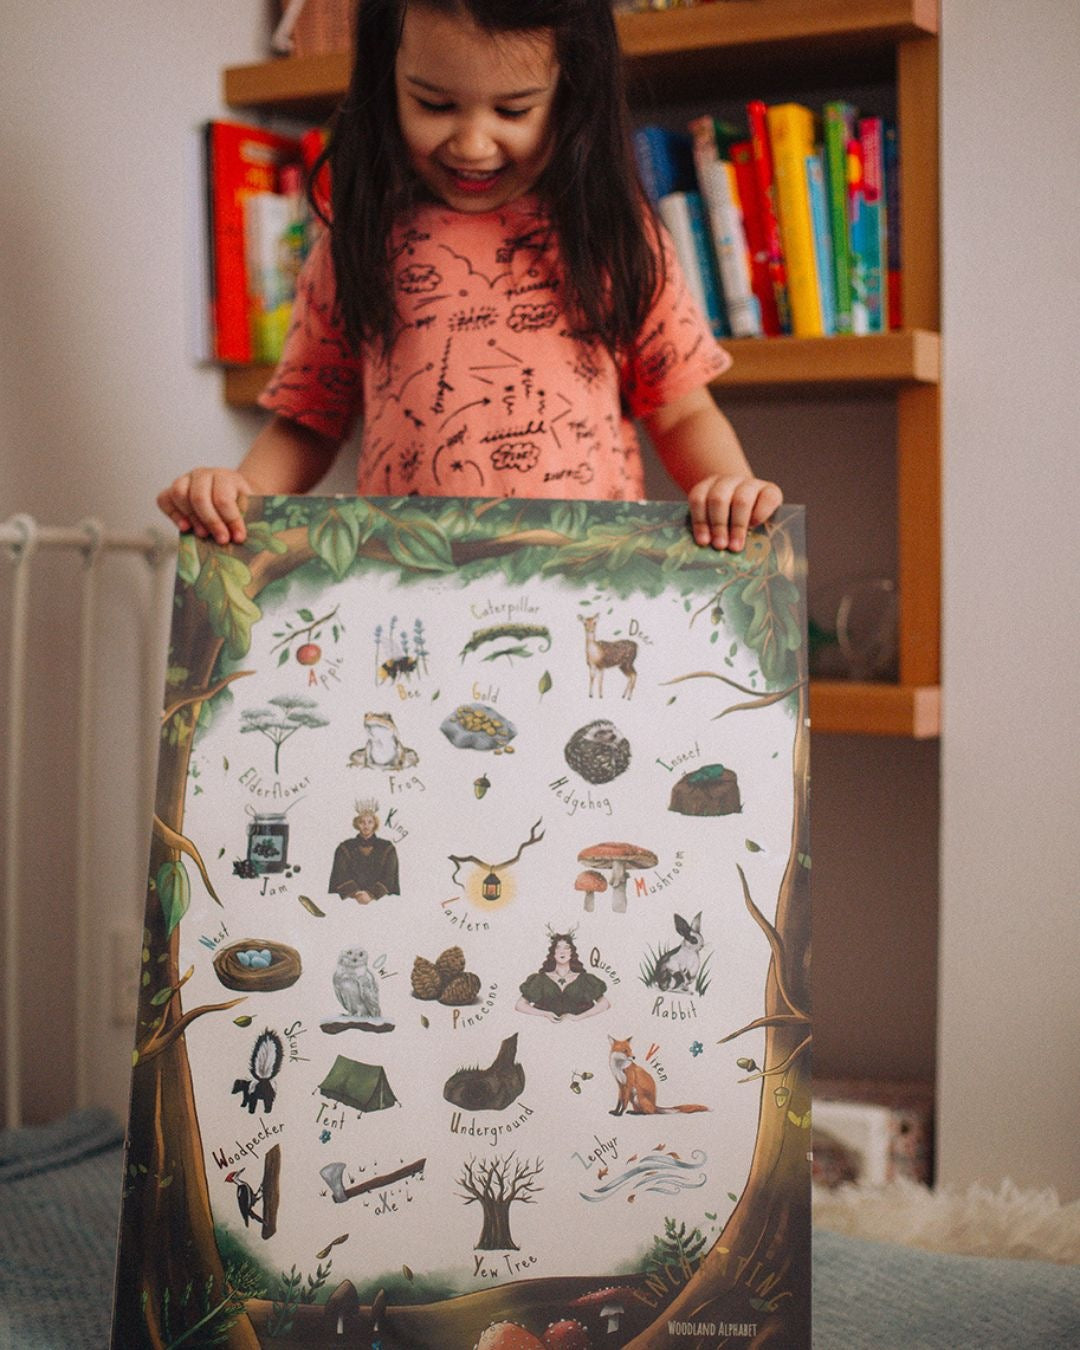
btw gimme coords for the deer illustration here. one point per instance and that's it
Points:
(601, 655)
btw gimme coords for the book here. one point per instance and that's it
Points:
(664, 160)
(742, 163)
(823, 260)
(684, 215)
(791, 138)
(198, 284)
(720, 193)
(865, 209)
(893, 290)
(242, 160)
(838, 118)
(766, 196)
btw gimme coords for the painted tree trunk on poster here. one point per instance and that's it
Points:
(475, 980)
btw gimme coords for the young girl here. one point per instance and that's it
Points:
(493, 296)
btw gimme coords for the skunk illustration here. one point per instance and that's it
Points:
(266, 1057)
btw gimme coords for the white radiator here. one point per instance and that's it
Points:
(56, 637)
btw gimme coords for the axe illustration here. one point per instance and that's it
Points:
(334, 1176)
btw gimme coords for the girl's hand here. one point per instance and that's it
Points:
(724, 506)
(209, 502)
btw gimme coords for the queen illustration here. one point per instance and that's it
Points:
(562, 990)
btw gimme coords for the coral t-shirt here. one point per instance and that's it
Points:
(485, 392)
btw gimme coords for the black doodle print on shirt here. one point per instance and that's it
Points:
(581, 473)
(472, 320)
(492, 282)
(419, 279)
(532, 318)
(521, 456)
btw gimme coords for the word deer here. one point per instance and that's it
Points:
(602, 655)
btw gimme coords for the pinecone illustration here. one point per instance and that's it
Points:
(462, 989)
(426, 980)
(450, 963)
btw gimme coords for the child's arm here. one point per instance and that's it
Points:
(699, 448)
(285, 457)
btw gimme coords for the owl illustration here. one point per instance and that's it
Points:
(356, 987)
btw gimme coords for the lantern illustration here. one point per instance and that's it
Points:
(492, 887)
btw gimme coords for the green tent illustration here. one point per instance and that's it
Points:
(364, 1087)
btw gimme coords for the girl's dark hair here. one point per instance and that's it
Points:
(591, 187)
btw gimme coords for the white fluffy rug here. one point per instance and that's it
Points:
(1023, 1224)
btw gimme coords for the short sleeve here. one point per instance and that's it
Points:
(318, 381)
(676, 351)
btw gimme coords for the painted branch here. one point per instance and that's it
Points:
(172, 839)
(203, 694)
(156, 1045)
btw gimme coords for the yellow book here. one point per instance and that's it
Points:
(791, 136)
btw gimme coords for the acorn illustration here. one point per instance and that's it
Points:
(481, 785)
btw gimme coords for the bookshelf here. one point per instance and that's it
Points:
(750, 46)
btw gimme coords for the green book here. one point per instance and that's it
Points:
(839, 128)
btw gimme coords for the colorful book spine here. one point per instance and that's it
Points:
(893, 288)
(766, 192)
(719, 191)
(866, 209)
(242, 160)
(664, 160)
(268, 218)
(822, 235)
(838, 120)
(742, 162)
(791, 135)
(684, 216)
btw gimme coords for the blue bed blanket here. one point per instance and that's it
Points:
(60, 1190)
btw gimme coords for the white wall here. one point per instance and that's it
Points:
(1009, 1074)
(99, 408)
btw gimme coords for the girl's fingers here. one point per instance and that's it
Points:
(743, 500)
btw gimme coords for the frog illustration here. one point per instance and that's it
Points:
(383, 748)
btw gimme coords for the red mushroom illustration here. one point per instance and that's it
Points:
(621, 859)
(592, 883)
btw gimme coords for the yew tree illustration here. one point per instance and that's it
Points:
(495, 1184)
(296, 713)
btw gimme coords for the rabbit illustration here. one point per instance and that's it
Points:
(678, 968)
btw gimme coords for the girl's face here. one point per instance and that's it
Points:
(475, 108)
(563, 952)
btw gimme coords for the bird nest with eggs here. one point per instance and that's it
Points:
(256, 965)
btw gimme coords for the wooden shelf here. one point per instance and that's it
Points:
(904, 357)
(840, 706)
(679, 44)
(908, 357)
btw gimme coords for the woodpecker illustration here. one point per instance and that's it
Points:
(246, 1198)
(266, 1057)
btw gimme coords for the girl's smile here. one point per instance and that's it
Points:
(475, 108)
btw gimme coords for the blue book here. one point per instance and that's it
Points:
(684, 215)
(665, 161)
(822, 236)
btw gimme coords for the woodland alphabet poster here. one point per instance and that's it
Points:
(475, 980)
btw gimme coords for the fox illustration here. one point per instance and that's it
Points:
(637, 1087)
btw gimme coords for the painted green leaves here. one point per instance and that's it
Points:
(774, 629)
(174, 893)
(231, 611)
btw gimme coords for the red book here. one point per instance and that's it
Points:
(763, 171)
(742, 158)
(242, 160)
